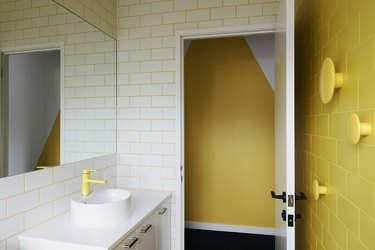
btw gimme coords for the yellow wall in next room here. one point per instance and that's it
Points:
(229, 135)
(344, 218)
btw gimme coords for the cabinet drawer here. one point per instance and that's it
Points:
(146, 234)
(130, 242)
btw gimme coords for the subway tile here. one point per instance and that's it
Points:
(163, 125)
(367, 225)
(174, 17)
(250, 10)
(11, 226)
(366, 167)
(3, 209)
(38, 215)
(147, 136)
(21, 203)
(354, 242)
(64, 172)
(12, 185)
(38, 179)
(361, 193)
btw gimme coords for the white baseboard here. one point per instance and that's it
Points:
(230, 228)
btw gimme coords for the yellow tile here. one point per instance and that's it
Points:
(338, 179)
(361, 193)
(323, 213)
(347, 156)
(367, 8)
(347, 212)
(316, 107)
(327, 8)
(339, 232)
(317, 145)
(339, 19)
(311, 127)
(322, 170)
(367, 162)
(328, 241)
(354, 243)
(330, 50)
(361, 59)
(329, 150)
(366, 91)
(367, 229)
(307, 142)
(312, 89)
(330, 200)
(317, 227)
(337, 125)
(347, 96)
(316, 63)
(349, 36)
(330, 107)
(322, 125)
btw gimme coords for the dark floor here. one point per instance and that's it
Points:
(206, 240)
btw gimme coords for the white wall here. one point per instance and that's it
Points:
(34, 102)
(262, 47)
(147, 101)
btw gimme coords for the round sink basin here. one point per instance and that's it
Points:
(101, 209)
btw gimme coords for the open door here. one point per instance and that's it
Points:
(284, 128)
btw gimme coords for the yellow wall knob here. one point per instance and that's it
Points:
(318, 190)
(329, 80)
(355, 129)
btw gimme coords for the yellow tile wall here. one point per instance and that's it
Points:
(146, 96)
(344, 218)
(100, 13)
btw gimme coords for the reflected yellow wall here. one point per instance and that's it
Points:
(229, 125)
(345, 31)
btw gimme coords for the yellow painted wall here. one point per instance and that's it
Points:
(345, 31)
(50, 155)
(100, 13)
(229, 133)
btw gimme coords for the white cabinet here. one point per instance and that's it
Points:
(153, 233)
(147, 234)
(131, 242)
(163, 223)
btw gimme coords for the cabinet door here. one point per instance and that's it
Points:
(130, 242)
(164, 226)
(147, 234)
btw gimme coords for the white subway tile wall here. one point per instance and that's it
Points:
(43, 194)
(89, 65)
(100, 13)
(146, 80)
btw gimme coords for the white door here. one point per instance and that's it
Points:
(284, 107)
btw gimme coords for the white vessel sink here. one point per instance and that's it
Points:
(101, 209)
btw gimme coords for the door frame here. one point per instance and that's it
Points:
(47, 47)
(181, 36)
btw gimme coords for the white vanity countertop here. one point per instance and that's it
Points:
(60, 232)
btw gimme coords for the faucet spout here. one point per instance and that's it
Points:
(86, 181)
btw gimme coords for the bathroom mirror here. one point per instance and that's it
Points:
(78, 115)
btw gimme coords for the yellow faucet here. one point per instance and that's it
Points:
(86, 181)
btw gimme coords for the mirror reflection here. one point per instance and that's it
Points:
(58, 88)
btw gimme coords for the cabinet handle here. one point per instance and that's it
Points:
(163, 210)
(130, 242)
(145, 228)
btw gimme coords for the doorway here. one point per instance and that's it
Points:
(181, 38)
(229, 141)
(30, 105)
